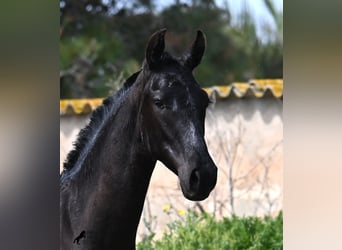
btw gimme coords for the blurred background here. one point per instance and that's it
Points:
(102, 42)
(29, 93)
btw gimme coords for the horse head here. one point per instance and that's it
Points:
(174, 110)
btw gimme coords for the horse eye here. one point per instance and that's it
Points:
(159, 103)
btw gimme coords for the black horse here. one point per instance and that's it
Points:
(158, 115)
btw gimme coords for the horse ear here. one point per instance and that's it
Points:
(196, 51)
(155, 48)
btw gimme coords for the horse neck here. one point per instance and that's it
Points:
(118, 165)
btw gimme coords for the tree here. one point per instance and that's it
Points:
(103, 42)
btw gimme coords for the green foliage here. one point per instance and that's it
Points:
(103, 40)
(203, 232)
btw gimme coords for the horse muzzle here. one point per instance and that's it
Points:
(197, 183)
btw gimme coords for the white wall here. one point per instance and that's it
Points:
(244, 135)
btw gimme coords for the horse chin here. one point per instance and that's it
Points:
(194, 196)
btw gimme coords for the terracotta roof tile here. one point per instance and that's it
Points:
(78, 106)
(258, 88)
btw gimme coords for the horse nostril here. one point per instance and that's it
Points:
(194, 180)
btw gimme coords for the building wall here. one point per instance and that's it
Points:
(245, 139)
(70, 125)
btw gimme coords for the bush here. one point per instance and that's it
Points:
(204, 232)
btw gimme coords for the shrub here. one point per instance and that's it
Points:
(204, 232)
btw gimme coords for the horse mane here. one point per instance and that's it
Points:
(109, 104)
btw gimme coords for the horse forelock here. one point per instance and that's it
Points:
(165, 60)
